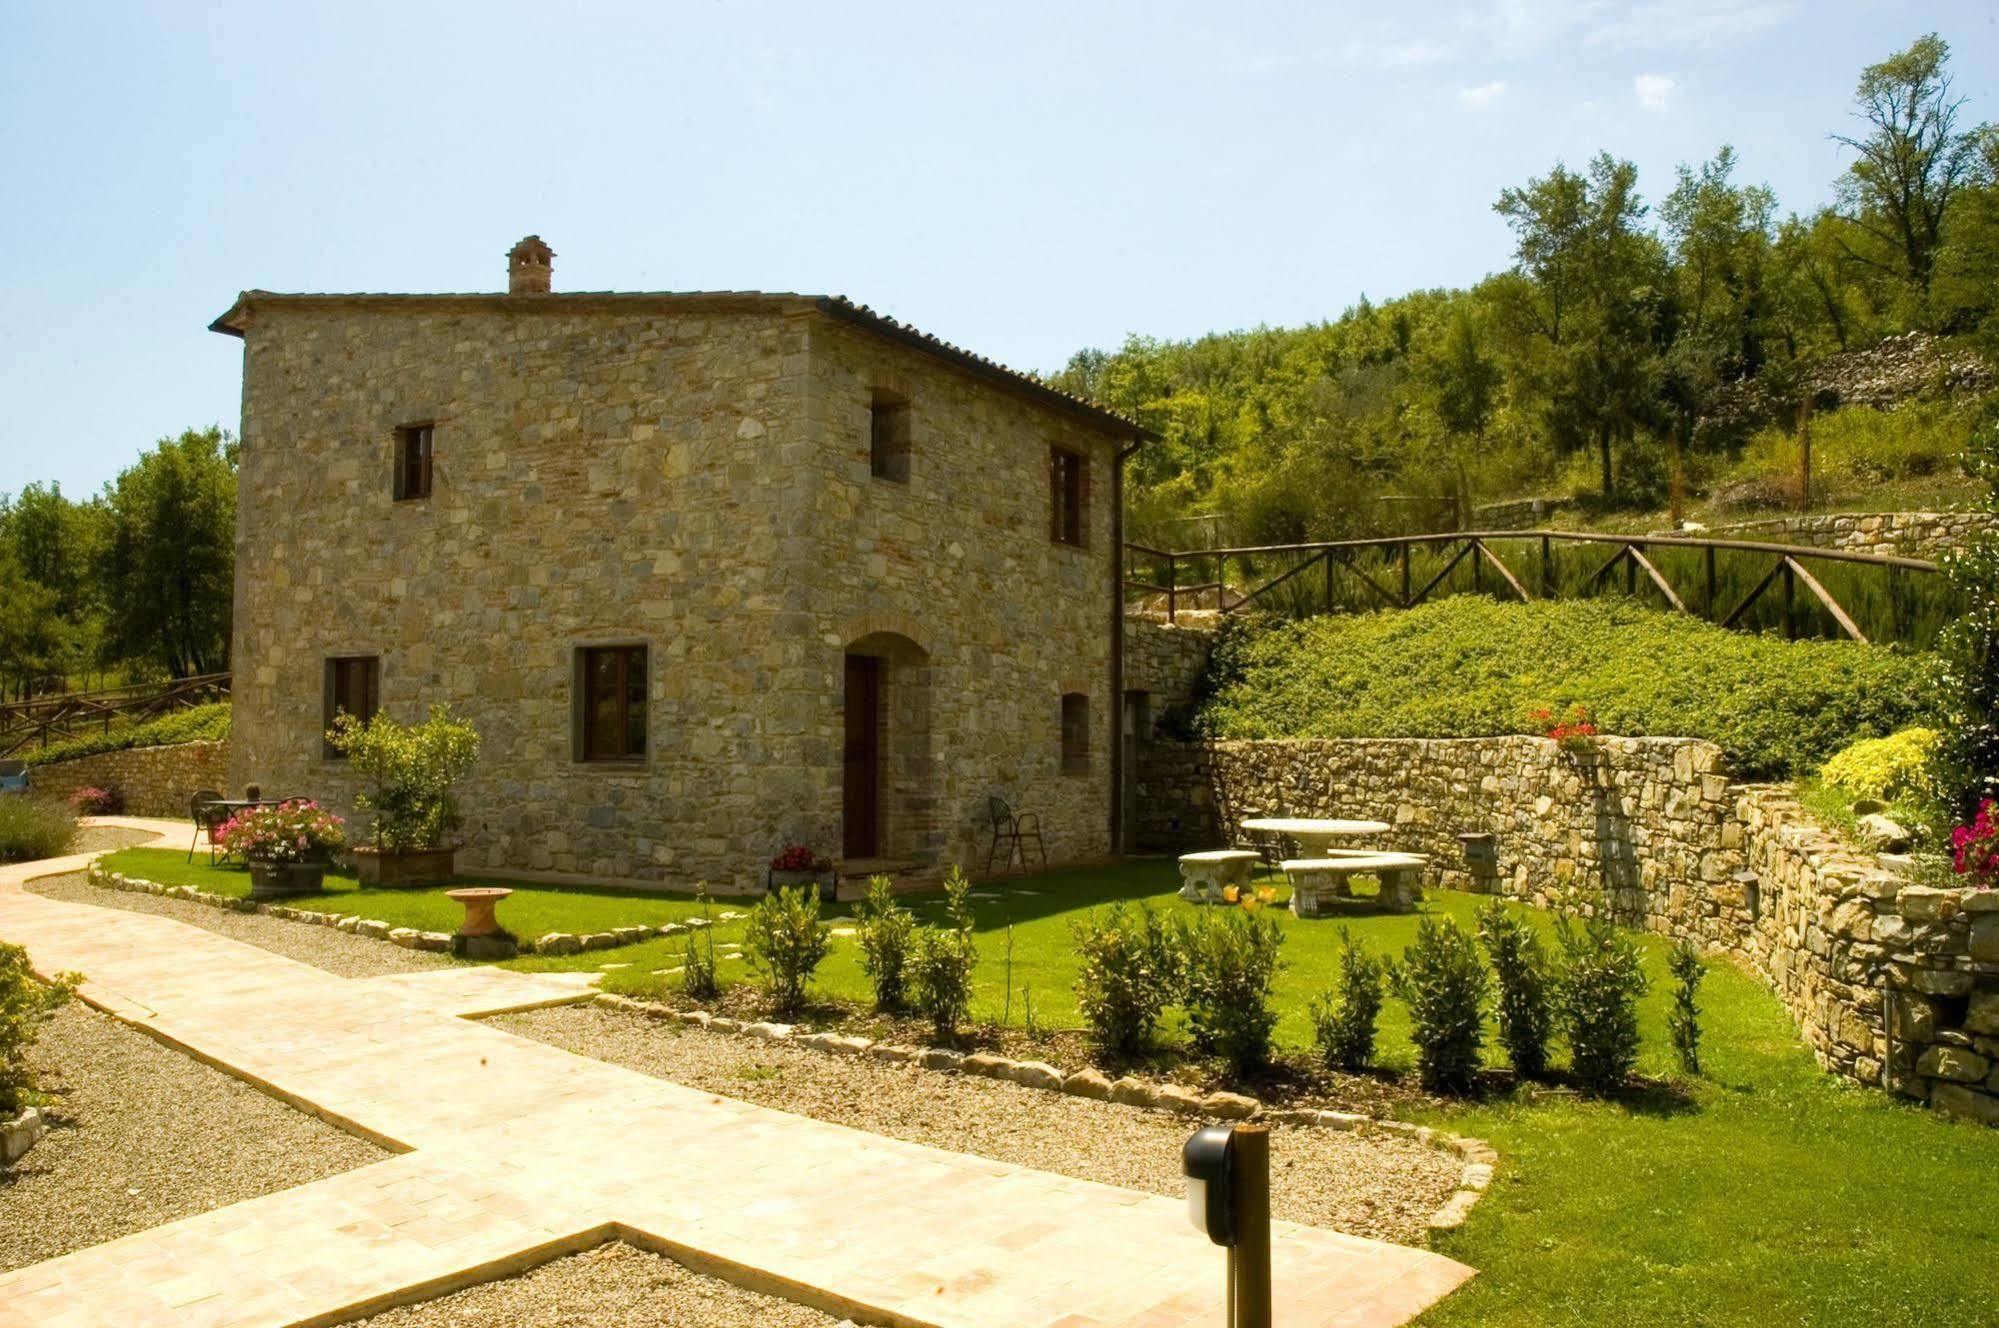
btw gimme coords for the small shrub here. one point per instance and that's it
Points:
(1444, 982)
(25, 1002)
(410, 769)
(92, 801)
(783, 941)
(1683, 1021)
(1132, 967)
(1521, 966)
(1597, 997)
(942, 960)
(33, 828)
(697, 965)
(1890, 768)
(1232, 961)
(885, 931)
(1343, 1019)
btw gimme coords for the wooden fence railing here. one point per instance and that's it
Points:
(41, 720)
(1402, 571)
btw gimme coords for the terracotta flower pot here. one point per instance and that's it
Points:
(409, 867)
(283, 880)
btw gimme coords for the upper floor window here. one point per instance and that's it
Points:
(353, 686)
(888, 437)
(611, 703)
(413, 461)
(1075, 732)
(1068, 496)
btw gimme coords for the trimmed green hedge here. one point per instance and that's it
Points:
(1471, 667)
(205, 723)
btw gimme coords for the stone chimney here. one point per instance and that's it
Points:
(530, 267)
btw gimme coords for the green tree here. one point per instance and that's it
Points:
(1912, 161)
(167, 561)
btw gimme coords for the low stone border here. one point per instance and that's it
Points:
(554, 943)
(1478, 1156)
(20, 1134)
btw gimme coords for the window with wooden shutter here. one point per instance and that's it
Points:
(888, 437)
(611, 703)
(1075, 732)
(1068, 496)
(413, 447)
(353, 686)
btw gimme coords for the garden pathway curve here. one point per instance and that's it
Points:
(511, 1151)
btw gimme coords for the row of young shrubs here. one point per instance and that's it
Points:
(1221, 969)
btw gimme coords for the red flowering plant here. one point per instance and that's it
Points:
(298, 830)
(1975, 847)
(93, 801)
(1574, 730)
(799, 858)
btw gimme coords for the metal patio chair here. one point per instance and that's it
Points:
(208, 811)
(1014, 830)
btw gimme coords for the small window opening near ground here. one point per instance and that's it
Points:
(1068, 495)
(413, 461)
(1075, 732)
(611, 702)
(354, 687)
(888, 437)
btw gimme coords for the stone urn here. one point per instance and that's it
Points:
(285, 880)
(397, 869)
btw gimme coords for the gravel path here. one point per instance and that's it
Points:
(142, 1134)
(612, 1286)
(1382, 1186)
(96, 838)
(324, 948)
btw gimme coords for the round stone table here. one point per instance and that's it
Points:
(1314, 834)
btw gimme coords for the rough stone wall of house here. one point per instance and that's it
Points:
(696, 482)
(1890, 982)
(1164, 660)
(1910, 534)
(986, 621)
(153, 781)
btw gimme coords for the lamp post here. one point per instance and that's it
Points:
(1228, 1201)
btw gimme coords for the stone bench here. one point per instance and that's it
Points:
(1315, 882)
(1205, 875)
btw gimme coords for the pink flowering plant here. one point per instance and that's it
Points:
(299, 830)
(1975, 847)
(92, 801)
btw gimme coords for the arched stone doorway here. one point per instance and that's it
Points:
(888, 804)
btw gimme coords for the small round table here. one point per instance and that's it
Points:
(1314, 834)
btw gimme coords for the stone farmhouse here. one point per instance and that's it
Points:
(711, 573)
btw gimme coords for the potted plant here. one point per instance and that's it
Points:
(410, 769)
(799, 865)
(288, 846)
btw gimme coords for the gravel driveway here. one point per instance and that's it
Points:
(1379, 1186)
(324, 948)
(612, 1286)
(142, 1134)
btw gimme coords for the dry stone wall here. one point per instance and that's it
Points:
(1890, 982)
(1910, 534)
(153, 781)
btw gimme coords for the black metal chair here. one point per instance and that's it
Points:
(1013, 830)
(207, 811)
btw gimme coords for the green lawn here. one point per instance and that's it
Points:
(1764, 1193)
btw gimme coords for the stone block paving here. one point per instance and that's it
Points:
(514, 1151)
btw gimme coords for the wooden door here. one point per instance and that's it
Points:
(861, 785)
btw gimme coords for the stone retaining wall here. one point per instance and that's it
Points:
(154, 781)
(1911, 534)
(1890, 983)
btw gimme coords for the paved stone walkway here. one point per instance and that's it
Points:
(512, 1151)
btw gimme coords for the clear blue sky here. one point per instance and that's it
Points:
(1024, 179)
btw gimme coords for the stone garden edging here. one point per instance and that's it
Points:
(20, 1134)
(1478, 1157)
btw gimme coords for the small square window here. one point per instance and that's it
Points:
(1075, 732)
(888, 437)
(611, 703)
(1068, 496)
(413, 462)
(353, 686)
